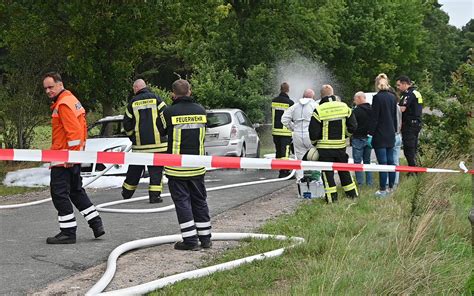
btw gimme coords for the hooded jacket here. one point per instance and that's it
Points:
(297, 117)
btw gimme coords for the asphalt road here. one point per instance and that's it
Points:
(27, 263)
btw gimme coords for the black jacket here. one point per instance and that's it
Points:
(185, 125)
(338, 118)
(141, 119)
(363, 115)
(384, 120)
(279, 105)
(412, 100)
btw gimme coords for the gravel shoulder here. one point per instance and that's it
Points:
(145, 265)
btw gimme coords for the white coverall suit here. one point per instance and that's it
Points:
(297, 118)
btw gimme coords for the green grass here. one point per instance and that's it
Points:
(7, 190)
(398, 245)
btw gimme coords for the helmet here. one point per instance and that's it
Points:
(311, 155)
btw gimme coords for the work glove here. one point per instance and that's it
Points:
(369, 141)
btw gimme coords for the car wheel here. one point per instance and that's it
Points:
(243, 152)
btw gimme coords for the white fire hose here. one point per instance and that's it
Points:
(154, 241)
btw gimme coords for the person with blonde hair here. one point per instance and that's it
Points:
(382, 129)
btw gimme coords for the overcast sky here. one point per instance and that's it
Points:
(460, 11)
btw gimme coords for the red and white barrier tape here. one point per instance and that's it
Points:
(160, 159)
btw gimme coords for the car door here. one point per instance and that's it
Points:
(250, 134)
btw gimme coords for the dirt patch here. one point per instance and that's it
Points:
(145, 265)
(24, 197)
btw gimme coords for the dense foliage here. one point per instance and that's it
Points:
(230, 51)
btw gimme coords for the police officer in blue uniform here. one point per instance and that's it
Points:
(185, 124)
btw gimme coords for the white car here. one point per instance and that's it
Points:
(229, 132)
(107, 134)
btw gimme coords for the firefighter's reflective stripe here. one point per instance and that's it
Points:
(188, 119)
(136, 113)
(160, 147)
(155, 188)
(129, 187)
(204, 232)
(66, 217)
(418, 96)
(88, 210)
(327, 113)
(68, 224)
(350, 187)
(141, 105)
(154, 115)
(203, 228)
(184, 172)
(176, 141)
(187, 224)
(128, 114)
(277, 111)
(333, 110)
(280, 106)
(91, 215)
(202, 135)
(281, 132)
(203, 224)
(287, 152)
(129, 133)
(74, 143)
(189, 233)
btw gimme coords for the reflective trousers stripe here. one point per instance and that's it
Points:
(186, 224)
(68, 224)
(204, 232)
(189, 233)
(66, 217)
(203, 224)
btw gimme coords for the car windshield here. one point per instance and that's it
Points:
(107, 129)
(216, 119)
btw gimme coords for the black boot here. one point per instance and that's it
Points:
(155, 197)
(206, 244)
(61, 238)
(97, 227)
(186, 247)
(127, 194)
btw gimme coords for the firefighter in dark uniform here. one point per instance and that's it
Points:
(185, 125)
(411, 106)
(69, 132)
(281, 134)
(143, 113)
(331, 123)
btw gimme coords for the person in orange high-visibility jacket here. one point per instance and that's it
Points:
(69, 132)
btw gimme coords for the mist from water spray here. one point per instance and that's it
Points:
(302, 73)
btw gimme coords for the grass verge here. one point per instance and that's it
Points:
(415, 242)
(9, 166)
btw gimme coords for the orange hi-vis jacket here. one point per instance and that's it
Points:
(69, 126)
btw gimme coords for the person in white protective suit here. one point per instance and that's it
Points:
(297, 118)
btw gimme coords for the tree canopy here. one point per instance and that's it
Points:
(229, 50)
